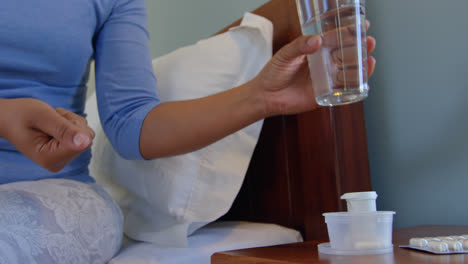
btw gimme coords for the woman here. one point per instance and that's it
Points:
(51, 211)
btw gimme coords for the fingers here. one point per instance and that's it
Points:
(50, 153)
(54, 152)
(348, 78)
(77, 120)
(370, 44)
(70, 134)
(300, 46)
(48, 137)
(344, 36)
(347, 56)
(370, 65)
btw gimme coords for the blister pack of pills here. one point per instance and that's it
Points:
(440, 245)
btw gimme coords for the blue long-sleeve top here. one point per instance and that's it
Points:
(45, 52)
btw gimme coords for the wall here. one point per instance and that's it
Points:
(176, 23)
(416, 113)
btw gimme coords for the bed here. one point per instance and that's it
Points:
(300, 167)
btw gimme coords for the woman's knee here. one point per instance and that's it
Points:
(57, 221)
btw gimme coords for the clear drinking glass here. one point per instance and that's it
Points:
(339, 68)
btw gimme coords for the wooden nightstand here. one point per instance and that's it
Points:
(301, 253)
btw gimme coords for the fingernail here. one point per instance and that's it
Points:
(80, 140)
(314, 40)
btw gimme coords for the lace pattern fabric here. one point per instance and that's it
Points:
(58, 221)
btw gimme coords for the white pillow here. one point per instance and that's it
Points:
(167, 199)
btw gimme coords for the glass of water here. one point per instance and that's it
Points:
(339, 68)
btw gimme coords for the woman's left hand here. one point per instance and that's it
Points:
(50, 137)
(285, 82)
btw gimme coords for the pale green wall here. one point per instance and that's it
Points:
(417, 110)
(176, 23)
(416, 113)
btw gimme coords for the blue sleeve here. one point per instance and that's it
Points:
(125, 82)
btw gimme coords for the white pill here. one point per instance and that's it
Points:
(464, 243)
(361, 245)
(454, 245)
(445, 238)
(432, 238)
(438, 246)
(418, 242)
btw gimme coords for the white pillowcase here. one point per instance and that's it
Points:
(167, 199)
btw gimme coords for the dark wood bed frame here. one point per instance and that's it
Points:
(303, 163)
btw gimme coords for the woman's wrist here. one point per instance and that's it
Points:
(255, 100)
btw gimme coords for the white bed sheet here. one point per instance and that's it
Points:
(215, 237)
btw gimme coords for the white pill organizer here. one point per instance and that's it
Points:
(362, 230)
(455, 244)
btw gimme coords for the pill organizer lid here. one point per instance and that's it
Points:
(359, 196)
(364, 213)
(325, 248)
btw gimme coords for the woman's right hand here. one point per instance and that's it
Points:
(50, 137)
(285, 83)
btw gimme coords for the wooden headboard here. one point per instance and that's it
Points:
(303, 163)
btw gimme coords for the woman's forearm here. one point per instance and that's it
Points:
(174, 128)
(3, 117)
(2, 112)
(283, 86)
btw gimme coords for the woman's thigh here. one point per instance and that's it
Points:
(58, 221)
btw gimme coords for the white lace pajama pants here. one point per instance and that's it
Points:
(58, 221)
